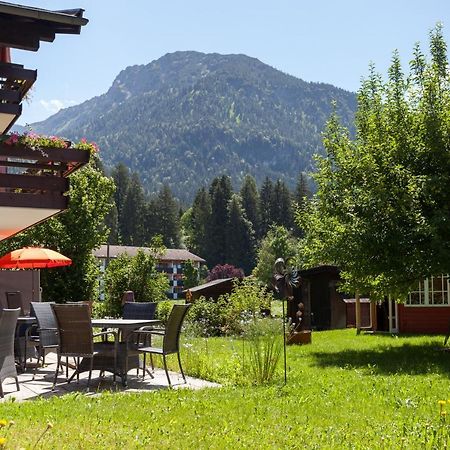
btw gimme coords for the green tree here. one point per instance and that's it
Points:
(250, 203)
(381, 211)
(240, 237)
(278, 243)
(266, 206)
(216, 231)
(137, 274)
(197, 225)
(190, 275)
(282, 208)
(167, 217)
(132, 214)
(75, 233)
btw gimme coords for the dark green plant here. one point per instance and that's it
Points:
(137, 274)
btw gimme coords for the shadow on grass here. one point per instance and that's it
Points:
(411, 359)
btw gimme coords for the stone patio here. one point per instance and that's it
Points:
(41, 386)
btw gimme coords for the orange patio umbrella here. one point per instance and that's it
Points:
(33, 258)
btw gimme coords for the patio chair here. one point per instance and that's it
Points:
(8, 322)
(138, 310)
(171, 338)
(14, 300)
(76, 339)
(45, 336)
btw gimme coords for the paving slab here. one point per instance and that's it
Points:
(40, 386)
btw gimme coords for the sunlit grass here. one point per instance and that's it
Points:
(343, 391)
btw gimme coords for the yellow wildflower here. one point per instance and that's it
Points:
(3, 423)
(2, 442)
(443, 413)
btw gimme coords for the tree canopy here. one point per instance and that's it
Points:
(382, 209)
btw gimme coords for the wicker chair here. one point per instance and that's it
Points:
(14, 300)
(8, 323)
(137, 310)
(45, 336)
(76, 339)
(171, 338)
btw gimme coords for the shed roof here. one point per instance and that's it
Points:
(171, 254)
(204, 286)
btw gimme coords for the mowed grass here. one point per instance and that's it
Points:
(343, 391)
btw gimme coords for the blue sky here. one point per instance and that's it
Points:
(327, 41)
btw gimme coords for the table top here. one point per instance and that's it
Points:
(124, 323)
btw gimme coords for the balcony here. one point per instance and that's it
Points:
(15, 82)
(33, 184)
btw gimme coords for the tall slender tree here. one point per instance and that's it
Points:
(167, 218)
(199, 222)
(266, 206)
(220, 193)
(240, 237)
(132, 215)
(282, 208)
(250, 203)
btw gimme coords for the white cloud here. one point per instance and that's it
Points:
(54, 105)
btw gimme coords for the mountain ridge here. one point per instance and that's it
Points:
(188, 116)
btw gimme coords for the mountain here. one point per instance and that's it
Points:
(187, 117)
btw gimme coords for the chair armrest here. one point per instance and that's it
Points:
(105, 333)
(30, 329)
(47, 329)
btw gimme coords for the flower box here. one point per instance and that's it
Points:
(299, 337)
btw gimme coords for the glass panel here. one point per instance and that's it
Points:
(414, 298)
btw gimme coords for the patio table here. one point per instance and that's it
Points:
(125, 361)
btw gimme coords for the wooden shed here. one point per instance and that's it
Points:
(213, 289)
(323, 304)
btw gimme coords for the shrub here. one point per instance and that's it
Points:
(224, 271)
(163, 310)
(228, 314)
(137, 274)
(207, 317)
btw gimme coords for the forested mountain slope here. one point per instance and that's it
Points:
(187, 117)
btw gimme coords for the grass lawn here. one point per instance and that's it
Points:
(343, 391)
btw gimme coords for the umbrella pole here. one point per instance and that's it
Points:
(284, 342)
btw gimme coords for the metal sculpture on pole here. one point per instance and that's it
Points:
(285, 279)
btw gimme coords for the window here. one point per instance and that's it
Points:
(433, 291)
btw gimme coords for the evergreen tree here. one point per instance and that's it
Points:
(240, 249)
(266, 206)
(132, 214)
(121, 177)
(250, 203)
(282, 208)
(167, 218)
(200, 217)
(220, 193)
(302, 191)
